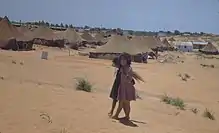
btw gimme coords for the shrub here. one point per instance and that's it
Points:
(174, 101)
(208, 114)
(83, 85)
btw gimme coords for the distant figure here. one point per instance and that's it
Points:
(156, 53)
(145, 57)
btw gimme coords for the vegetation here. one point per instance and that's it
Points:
(208, 114)
(173, 101)
(117, 30)
(83, 85)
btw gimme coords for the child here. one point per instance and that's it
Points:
(114, 90)
(126, 90)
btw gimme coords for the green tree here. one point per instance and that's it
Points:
(47, 24)
(66, 26)
(61, 25)
(176, 32)
(70, 26)
(57, 25)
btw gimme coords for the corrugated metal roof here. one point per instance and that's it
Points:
(200, 43)
(183, 43)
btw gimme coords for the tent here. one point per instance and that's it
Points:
(210, 48)
(11, 38)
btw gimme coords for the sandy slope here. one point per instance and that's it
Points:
(40, 86)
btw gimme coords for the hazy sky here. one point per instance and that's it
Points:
(153, 15)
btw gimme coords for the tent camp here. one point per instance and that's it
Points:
(120, 44)
(11, 38)
(87, 37)
(46, 36)
(167, 45)
(70, 35)
(210, 48)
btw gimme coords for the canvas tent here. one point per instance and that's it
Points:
(210, 48)
(120, 44)
(46, 36)
(11, 38)
(167, 45)
(87, 37)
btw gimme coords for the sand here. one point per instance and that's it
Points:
(48, 87)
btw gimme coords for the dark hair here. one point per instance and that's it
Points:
(127, 57)
(116, 61)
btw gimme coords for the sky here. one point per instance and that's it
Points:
(149, 15)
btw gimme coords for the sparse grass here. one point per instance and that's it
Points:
(194, 110)
(83, 85)
(209, 114)
(63, 130)
(174, 101)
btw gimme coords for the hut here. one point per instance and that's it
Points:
(210, 48)
(87, 38)
(184, 46)
(46, 36)
(167, 46)
(199, 45)
(171, 39)
(100, 38)
(120, 44)
(11, 38)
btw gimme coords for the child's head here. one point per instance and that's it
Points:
(124, 59)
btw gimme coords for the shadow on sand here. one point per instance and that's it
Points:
(130, 123)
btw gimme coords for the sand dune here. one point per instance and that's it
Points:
(48, 87)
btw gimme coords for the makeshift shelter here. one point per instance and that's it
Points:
(184, 46)
(171, 39)
(167, 45)
(23, 29)
(45, 36)
(120, 44)
(199, 45)
(87, 37)
(210, 48)
(11, 38)
(100, 38)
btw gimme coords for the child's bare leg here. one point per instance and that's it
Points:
(113, 107)
(119, 109)
(127, 109)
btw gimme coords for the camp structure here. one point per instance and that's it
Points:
(87, 38)
(71, 37)
(210, 48)
(23, 29)
(118, 45)
(46, 36)
(100, 39)
(11, 38)
(167, 46)
(171, 39)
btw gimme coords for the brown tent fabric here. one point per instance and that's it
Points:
(70, 35)
(120, 44)
(167, 44)
(87, 37)
(210, 48)
(99, 37)
(172, 39)
(11, 38)
(43, 33)
(23, 29)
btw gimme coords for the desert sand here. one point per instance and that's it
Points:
(32, 87)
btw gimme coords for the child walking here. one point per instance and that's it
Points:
(126, 89)
(114, 90)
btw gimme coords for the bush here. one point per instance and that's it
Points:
(174, 101)
(83, 85)
(208, 114)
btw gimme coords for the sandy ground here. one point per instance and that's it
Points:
(48, 87)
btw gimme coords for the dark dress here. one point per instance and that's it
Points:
(114, 90)
(116, 84)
